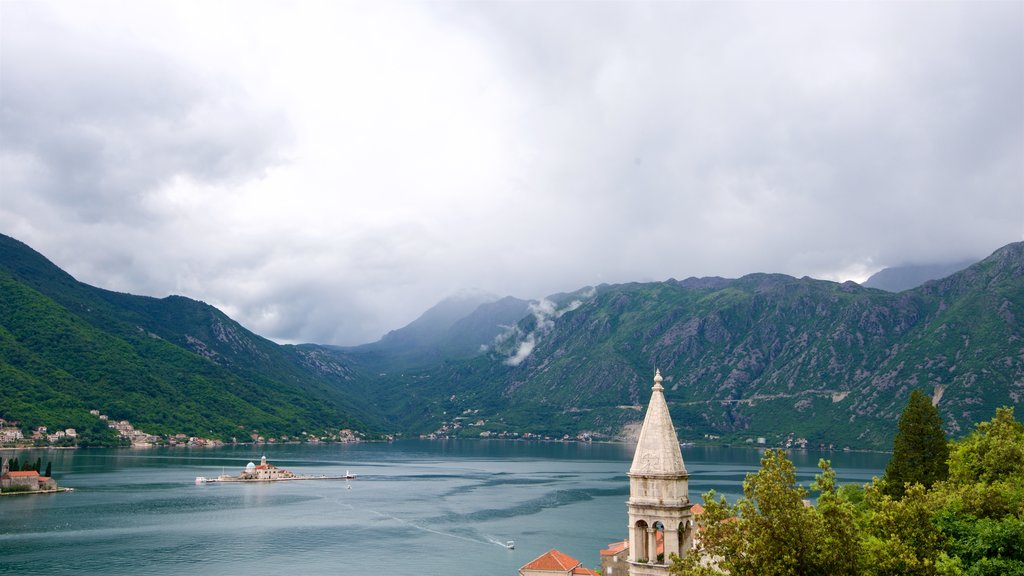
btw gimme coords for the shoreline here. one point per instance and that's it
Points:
(24, 492)
(683, 444)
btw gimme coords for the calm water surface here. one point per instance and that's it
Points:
(418, 507)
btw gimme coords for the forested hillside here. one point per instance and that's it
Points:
(170, 365)
(763, 355)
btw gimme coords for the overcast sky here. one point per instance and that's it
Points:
(326, 171)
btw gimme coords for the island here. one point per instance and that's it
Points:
(266, 472)
(27, 481)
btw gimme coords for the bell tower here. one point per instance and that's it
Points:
(660, 520)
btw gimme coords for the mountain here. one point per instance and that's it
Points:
(170, 365)
(900, 278)
(455, 328)
(762, 355)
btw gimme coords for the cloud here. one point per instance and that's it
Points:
(96, 126)
(544, 312)
(327, 171)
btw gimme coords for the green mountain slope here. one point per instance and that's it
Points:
(763, 355)
(169, 365)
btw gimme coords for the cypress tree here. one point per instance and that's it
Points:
(15, 466)
(920, 452)
(49, 469)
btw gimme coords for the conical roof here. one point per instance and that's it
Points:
(657, 451)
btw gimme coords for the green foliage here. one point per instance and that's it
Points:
(169, 366)
(902, 538)
(951, 529)
(986, 469)
(838, 547)
(16, 488)
(920, 450)
(772, 531)
(763, 355)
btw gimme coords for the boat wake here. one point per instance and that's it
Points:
(510, 544)
(429, 529)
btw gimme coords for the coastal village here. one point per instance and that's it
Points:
(12, 435)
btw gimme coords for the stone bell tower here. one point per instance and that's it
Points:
(660, 521)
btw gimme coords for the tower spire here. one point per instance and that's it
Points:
(657, 450)
(660, 520)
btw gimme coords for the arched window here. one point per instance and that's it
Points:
(639, 545)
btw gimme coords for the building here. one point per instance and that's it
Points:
(264, 471)
(661, 521)
(26, 481)
(555, 563)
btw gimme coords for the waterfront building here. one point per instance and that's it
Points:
(26, 480)
(264, 471)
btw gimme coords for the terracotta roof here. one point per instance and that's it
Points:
(23, 474)
(553, 560)
(697, 509)
(615, 547)
(581, 571)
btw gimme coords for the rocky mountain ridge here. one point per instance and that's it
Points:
(765, 355)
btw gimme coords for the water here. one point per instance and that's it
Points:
(418, 507)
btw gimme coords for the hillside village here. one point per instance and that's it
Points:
(12, 435)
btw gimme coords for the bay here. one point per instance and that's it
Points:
(417, 507)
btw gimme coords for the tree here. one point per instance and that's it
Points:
(902, 538)
(981, 504)
(840, 550)
(49, 469)
(771, 531)
(920, 450)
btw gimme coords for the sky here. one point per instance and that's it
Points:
(326, 171)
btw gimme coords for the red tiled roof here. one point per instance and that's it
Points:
(581, 571)
(615, 547)
(553, 560)
(23, 474)
(697, 509)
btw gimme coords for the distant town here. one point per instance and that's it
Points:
(12, 435)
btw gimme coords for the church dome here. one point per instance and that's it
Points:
(250, 467)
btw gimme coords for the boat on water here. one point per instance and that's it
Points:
(266, 472)
(511, 544)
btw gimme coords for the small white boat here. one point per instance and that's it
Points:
(511, 544)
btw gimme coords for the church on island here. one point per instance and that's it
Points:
(661, 516)
(25, 481)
